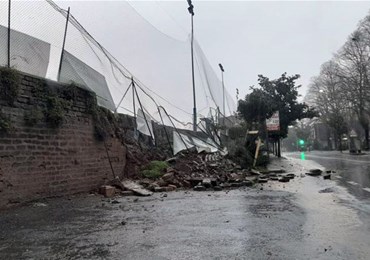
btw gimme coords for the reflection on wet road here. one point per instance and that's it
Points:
(351, 171)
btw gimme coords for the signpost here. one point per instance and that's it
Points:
(273, 123)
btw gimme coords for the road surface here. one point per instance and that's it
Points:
(351, 171)
(307, 218)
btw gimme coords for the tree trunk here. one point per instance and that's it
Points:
(366, 138)
(340, 143)
(365, 125)
(279, 149)
(336, 141)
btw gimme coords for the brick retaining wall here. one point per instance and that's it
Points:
(40, 161)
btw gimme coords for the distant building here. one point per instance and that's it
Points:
(322, 137)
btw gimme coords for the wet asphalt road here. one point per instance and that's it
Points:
(308, 218)
(351, 171)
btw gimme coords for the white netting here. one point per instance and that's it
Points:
(160, 66)
(3, 33)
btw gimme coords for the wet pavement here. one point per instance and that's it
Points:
(351, 171)
(307, 218)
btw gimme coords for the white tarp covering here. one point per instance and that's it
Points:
(27, 54)
(182, 142)
(143, 123)
(74, 70)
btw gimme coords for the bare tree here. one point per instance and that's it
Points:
(354, 72)
(327, 95)
(343, 87)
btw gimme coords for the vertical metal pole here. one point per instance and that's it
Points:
(109, 160)
(9, 13)
(142, 109)
(133, 103)
(267, 140)
(64, 42)
(192, 73)
(134, 107)
(223, 93)
(165, 130)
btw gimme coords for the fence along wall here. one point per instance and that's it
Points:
(37, 30)
(41, 161)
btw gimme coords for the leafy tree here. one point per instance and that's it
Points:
(274, 95)
(256, 107)
(282, 96)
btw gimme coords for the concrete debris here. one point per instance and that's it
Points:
(108, 191)
(289, 175)
(217, 188)
(255, 172)
(172, 187)
(199, 171)
(327, 190)
(276, 171)
(159, 189)
(207, 183)
(127, 193)
(284, 179)
(136, 188)
(262, 180)
(199, 188)
(314, 172)
(171, 160)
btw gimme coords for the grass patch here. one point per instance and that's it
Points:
(155, 169)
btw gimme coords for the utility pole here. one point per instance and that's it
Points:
(9, 18)
(191, 12)
(223, 89)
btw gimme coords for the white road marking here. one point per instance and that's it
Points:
(352, 183)
(366, 189)
(338, 177)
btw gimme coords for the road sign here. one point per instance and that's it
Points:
(273, 123)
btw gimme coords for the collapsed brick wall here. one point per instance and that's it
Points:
(39, 161)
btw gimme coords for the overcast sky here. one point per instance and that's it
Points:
(248, 38)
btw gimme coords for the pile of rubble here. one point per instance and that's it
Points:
(200, 172)
(209, 171)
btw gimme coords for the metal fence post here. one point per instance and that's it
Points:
(64, 42)
(9, 9)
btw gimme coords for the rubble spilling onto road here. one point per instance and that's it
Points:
(205, 171)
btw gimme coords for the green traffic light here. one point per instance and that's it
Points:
(301, 142)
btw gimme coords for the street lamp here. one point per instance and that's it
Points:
(191, 12)
(223, 88)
